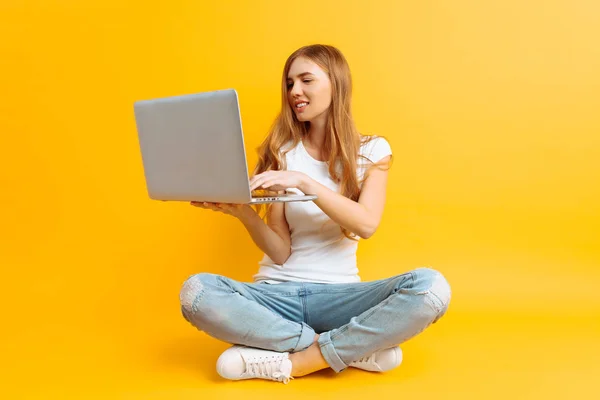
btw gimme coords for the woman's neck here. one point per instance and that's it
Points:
(316, 134)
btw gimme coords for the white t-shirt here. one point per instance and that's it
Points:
(320, 251)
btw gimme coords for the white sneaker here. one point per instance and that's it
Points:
(380, 361)
(241, 362)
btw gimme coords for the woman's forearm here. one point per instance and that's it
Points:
(345, 212)
(265, 238)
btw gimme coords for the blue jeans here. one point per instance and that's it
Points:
(353, 319)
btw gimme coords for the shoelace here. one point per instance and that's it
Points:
(267, 367)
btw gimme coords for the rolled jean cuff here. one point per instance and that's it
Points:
(329, 353)
(307, 337)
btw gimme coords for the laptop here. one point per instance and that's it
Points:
(192, 149)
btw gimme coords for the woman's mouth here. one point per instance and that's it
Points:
(301, 106)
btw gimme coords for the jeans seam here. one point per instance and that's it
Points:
(198, 298)
(302, 293)
(431, 302)
(439, 299)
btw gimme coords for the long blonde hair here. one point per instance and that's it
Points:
(342, 139)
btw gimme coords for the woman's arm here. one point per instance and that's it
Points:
(362, 217)
(272, 238)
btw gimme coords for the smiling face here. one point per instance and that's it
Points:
(309, 90)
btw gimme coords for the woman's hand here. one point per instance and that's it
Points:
(278, 180)
(237, 210)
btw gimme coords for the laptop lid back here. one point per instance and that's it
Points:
(193, 147)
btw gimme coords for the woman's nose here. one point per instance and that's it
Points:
(296, 90)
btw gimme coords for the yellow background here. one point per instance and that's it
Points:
(492, 109)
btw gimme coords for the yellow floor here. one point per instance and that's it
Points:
(537, 338)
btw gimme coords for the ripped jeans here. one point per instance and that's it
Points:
(353, 319)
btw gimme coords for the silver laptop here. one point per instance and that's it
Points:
(192, 148)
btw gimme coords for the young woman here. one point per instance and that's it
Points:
(307, 308)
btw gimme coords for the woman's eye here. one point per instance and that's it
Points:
(290, 84)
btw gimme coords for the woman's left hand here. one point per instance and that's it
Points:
(277, 180)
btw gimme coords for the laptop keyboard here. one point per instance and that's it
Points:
(260, 196)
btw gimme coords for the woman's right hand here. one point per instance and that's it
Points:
(236, 210)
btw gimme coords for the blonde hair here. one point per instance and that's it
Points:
(342, 139)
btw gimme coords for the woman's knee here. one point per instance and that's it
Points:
(436, 288)
(193, 290)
